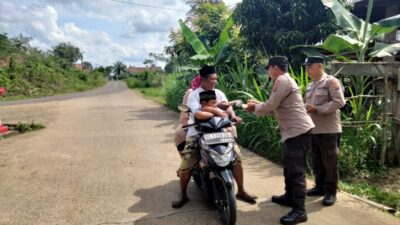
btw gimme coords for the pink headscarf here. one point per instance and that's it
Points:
(195, 83)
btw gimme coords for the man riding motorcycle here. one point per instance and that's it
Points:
(189, 159)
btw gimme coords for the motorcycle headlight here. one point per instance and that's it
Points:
(222, 159)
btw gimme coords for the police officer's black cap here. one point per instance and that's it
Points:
(207, 95)
(206, 70)
(278, 61)
(313, 59)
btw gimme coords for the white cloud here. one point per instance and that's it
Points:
(231, 3)
(105, 30)
(147, 32)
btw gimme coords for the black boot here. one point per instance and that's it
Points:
(329, 199)
(294, 217)
(315, 191)
(284, 200)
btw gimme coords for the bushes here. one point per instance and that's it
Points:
(27, 127)
(175, 86)
(29, 72)
(145, 79)
(133, 82)
(37, 75)
(359, 150)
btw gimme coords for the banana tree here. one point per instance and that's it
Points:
(204, 53)
(358, 34)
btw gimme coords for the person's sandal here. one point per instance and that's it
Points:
(246, 198)
(180, 202)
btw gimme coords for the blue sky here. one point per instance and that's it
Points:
(105, 30)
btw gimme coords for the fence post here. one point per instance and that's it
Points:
(384, 121)
(396, 123)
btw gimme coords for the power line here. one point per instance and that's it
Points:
(149, 6)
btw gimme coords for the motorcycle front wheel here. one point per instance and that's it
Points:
(225, 203)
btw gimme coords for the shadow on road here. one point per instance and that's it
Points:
(155, 206)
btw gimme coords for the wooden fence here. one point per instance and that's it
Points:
(387, 76)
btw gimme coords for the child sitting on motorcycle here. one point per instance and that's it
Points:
(208, 101)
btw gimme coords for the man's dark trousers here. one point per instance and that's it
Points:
(294, 156)
(325, 164)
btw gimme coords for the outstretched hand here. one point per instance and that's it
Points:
(223, 105)
(237, 119)
(250, 107)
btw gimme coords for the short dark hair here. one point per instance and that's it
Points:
(283, 68)
(280, 61)
(206, 96)
(206, 70)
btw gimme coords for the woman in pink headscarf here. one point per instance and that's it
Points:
(180, 133)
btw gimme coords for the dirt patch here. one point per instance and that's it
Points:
(387, 181)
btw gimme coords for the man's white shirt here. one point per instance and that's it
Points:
(195, 106)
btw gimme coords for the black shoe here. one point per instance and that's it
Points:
(315, 192)
(294, 217)
(284, 200)
(329, 199)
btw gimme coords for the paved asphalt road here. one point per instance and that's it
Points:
(106, 157)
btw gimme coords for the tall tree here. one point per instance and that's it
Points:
(22, 43)
(149, 62)
(274, 26)
(119, 69)
(67, 51)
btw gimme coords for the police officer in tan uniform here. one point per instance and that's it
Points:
(286, 103)
(324, 98)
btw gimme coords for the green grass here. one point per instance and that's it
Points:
(27, 127)
(155, 94)
(373, 192)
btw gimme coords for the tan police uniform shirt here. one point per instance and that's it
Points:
(286, 103)
(327, 96)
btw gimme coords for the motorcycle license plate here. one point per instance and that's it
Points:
(218, 138)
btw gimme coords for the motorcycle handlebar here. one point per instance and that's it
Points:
(193, 124)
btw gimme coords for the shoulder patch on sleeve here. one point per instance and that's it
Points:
(336, 84)
(276, 85)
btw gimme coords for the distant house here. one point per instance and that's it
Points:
(80, 66)
(133, 70)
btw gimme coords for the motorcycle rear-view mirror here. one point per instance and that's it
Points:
(183, 108)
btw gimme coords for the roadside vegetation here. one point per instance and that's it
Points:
(27, 127)
(27, 72)
(20, 128)
(239, 43)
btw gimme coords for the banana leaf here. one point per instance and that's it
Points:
(382, 50)
(344, 18)
(223, 38)
(193, 40)
(386, 25)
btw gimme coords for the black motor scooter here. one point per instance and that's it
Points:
(213, 174)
